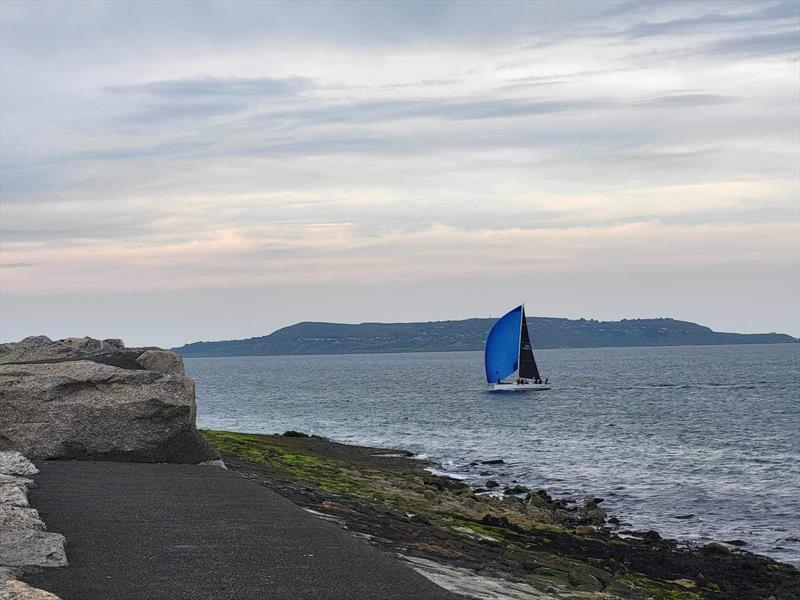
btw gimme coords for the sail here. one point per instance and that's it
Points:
(502, 346)
(527, 364)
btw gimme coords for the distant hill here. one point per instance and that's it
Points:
(470, 334)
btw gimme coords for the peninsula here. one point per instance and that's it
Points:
(470, 334)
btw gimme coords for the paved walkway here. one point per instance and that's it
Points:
(163, 531)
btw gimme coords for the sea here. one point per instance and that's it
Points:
(699, 443)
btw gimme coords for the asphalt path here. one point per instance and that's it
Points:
(165, 531)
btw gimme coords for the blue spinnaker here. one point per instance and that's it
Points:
(502, 346)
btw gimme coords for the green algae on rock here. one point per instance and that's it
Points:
(530, 542)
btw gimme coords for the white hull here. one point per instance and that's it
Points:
(519, 387)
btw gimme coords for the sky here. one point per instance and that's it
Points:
(180, 171)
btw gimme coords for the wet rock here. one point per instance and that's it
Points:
(446, 483)
(420, 518)
(584, 530)
(715, 548)
(614, 521)
(591, 514)
(295, 434)
(497, 461)
(651, 536)
(330, 506)
(736, 542)
(491, 484)
(485, 473)
(28, 548)
(493, 521)
(513, 503)
(684, 517)
(534, 499)
(517, 489)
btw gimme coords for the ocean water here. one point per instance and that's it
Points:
(699, 442)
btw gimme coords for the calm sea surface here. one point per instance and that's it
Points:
(660, 433)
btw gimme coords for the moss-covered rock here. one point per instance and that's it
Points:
(399, 506)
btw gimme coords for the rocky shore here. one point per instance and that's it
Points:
(513, 544)
(81, 399)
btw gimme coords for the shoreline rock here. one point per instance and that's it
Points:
(24, 541)
(87, 399)
(537, 540)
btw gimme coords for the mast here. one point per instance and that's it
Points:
(519, 351)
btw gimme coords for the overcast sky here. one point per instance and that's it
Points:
(174, 172)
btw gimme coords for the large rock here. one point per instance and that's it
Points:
(32, 548)
(41, 349)
(91, 399)
(161, 361)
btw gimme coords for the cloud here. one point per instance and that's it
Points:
(782, 11)
(204, 87)
(478, 108)
(208, 145)
(317, 252)
(203, 98)
(773, 43)
(687, 100)
(160, 114)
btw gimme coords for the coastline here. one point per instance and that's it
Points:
(191, 355)
(619, 426)
(521, 541)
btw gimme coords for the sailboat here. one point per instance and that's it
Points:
(508, 351)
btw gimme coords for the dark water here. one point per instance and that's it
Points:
(660, 433)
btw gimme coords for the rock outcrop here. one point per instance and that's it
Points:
(96, 399)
